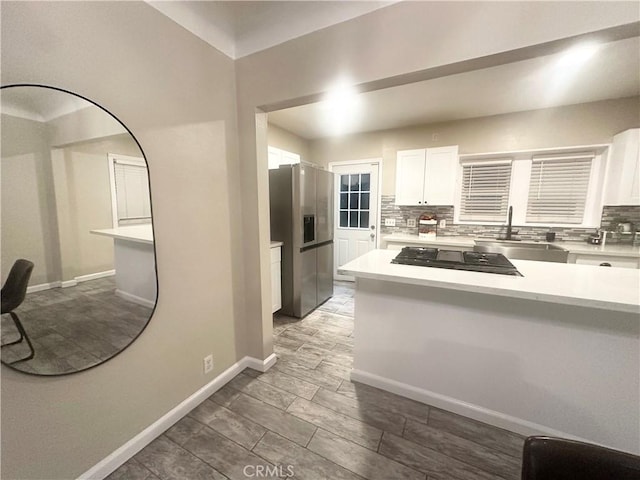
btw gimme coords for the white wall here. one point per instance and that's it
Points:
(177, 95)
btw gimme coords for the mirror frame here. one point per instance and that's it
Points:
(155, 255)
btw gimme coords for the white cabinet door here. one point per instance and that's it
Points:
(410, 167)
(276, 279)
(426, 176)
(440, 175)
(623, 169)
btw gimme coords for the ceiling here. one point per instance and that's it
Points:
(547, 81)
(39, 104)
(239, 28)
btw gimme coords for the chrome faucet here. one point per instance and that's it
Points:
(509, 232)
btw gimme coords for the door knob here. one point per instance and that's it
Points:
(373, 235)
(373, 227)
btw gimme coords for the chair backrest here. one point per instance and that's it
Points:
(547, 458)
(15, 287)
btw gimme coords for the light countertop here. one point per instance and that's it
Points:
(582, 248)
(135, 233)
(615, 289)
(276, 244)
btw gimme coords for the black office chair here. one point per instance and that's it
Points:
(547, 458)
(12, 295)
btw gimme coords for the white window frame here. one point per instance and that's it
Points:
(520, 178)
(123, 159)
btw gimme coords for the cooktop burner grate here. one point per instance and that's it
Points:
(456, 260)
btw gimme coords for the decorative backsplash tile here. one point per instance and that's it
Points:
(402, 213)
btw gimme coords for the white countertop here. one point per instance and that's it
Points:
(581, 285)
(135, 233)
(276, 244)
(583, 248)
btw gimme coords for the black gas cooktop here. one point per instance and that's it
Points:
(455, 260)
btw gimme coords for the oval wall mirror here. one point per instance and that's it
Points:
(77, 250)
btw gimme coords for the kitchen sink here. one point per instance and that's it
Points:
(518, 250)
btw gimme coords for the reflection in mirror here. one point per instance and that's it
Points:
(75, 203)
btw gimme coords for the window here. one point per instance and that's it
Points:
(355, 192)
(131, 202)
(558, 189)
(485, 190)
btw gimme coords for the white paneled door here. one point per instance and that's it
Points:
(356, 211)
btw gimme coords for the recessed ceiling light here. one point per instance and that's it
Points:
(341, 108)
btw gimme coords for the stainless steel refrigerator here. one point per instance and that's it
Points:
(301, 204)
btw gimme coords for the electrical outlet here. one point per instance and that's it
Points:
(208, 363)
(389, 222)
(411, 222)
(443, 223)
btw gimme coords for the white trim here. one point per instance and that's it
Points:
(95, 276)
(43, 286)
(135, 299)
(119, 456)
(70, 283)
(261, 365)
(598, 147)
(470, 410)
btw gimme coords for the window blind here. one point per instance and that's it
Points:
(485, 191)
(558, 189)
(132, 193)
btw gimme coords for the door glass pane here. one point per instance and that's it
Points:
(343, 218)
(365, 181)
(354, 201)
(364, 201)
(353, 219)
(344, 183)
(344, 201)
(364, 219)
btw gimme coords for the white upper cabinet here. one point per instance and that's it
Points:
(426, 176)
(622, 184)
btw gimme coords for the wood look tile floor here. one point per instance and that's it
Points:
(304, 419)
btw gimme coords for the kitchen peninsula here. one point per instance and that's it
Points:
(134, 261)
(556, 351)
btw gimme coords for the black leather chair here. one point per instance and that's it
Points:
(547, 458)
(12, 295)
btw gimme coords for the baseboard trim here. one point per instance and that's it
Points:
(43, 286)
(135, 299)
(95, 276)
(70, 283)
(110, 463)
(261, 365)
(492, 417)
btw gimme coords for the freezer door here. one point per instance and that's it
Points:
(308, 213)
(309, 283)
(324, 200)
(325, 273)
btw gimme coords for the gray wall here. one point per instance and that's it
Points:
(176, 93)
(28, 221)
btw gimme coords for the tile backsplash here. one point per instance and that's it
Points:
(403, 213)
